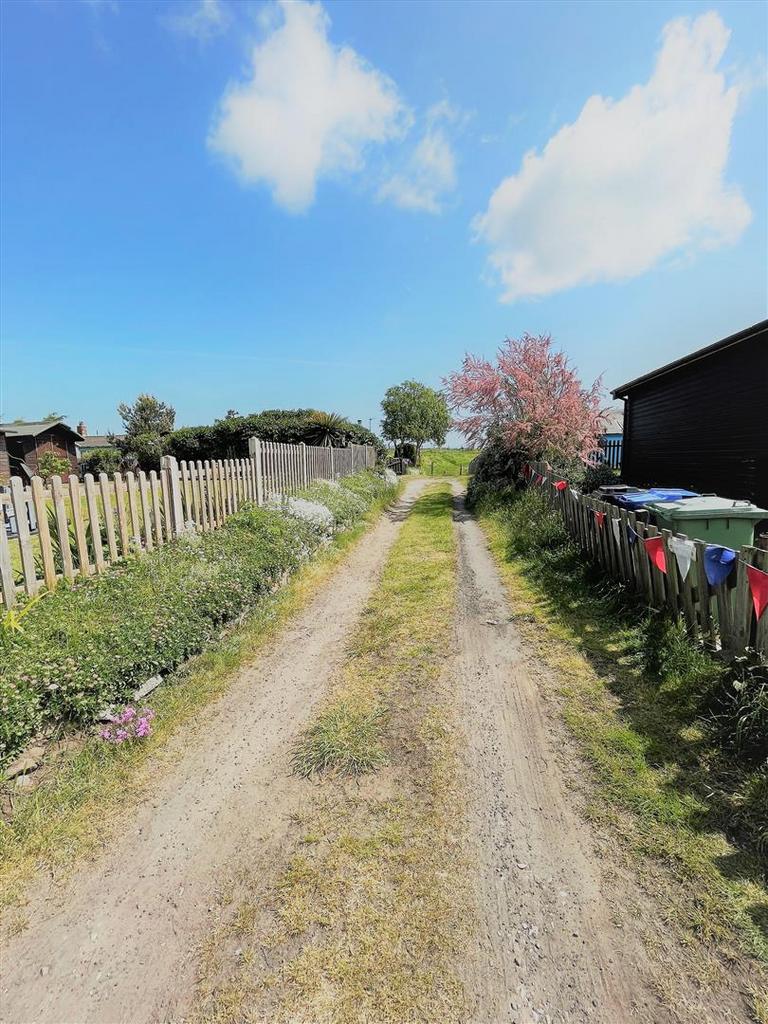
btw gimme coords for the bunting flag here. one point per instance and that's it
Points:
(575, 493)
(655, 548)
(718, 564)
(560, 485)
(616, 527)
(632, 535)
(684, 552)
(758, 586)
(542, 480)
(526, 470)
(600, 518)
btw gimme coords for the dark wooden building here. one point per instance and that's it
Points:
(26, 442)
(702, 421)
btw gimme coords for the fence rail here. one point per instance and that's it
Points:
(720, 617)
(72, 528)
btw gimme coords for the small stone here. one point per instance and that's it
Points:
(521, 866)
(27, 783)
(44, 971)
(26, 763)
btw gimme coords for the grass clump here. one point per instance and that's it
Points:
(345, 738)
(653, 715)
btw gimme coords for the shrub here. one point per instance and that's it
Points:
(100, 460)
(51, 464)
(343, 503)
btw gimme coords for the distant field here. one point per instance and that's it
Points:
(446, 461)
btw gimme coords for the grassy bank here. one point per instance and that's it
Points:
(365, 914)
(446, 461)
(676, 778)
(89, 789)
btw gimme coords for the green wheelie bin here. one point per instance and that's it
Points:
(710, 518)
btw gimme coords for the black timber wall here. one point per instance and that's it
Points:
(703, 425)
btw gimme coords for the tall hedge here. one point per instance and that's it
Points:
(228, 438)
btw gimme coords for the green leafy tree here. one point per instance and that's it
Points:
(414, 414)
(148, 424)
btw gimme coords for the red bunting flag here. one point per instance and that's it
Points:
(600, 519)
(526, 470)
(560, 485)
(758, 585)
(655, 548)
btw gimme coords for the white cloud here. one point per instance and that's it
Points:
(308, 110)
(629, 182)
(429, 174)
(202, 20)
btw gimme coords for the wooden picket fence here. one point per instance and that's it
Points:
(721, 617)
(69, 529)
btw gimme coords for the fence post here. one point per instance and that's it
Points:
(170, 470)
(7, 583)
(304, 467)
(332, 474)
(254, 452)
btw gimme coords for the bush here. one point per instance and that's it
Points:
(344, 505)
(100, 460)
(87, 645)
(51, 464)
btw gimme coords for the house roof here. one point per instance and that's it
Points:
(96, 441)
(613, 421)
(702, 353)
(35, 429)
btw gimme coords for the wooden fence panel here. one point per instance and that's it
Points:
(98, 522)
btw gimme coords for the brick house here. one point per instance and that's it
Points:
(25, 442)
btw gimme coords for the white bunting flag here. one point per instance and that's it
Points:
(616, 528)
(684, 551)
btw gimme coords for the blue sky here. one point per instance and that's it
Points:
(236, 205)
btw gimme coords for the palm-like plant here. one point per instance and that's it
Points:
(327, 429)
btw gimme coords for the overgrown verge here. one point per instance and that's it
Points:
(93, 784)
(94, 642)
(676, 739)
(366, 915)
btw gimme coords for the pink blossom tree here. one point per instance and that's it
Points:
(531, 399)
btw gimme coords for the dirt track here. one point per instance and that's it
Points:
(549, 948)
(119, 942)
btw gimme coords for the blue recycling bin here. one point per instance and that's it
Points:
(634, 502)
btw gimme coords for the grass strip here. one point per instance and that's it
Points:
(364, 916)
(76, 810)
(634, 693)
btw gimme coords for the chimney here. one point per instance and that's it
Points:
(82, 429)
